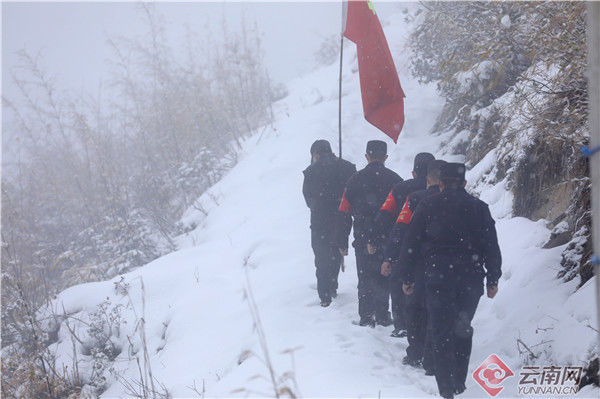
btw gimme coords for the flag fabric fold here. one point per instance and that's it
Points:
(382, 95)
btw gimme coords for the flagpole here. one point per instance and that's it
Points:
(340, 96)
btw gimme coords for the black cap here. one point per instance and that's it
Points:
(320, 147)
(377, 148)
(435, 165)
(453, 171)
(422, 159)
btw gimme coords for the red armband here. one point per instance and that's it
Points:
(345, 205)
(390, 204)
(405, 214)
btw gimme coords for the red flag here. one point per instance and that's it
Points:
(382, 95)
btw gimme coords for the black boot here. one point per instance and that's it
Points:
(398, 333)
(407, 361)
(385, 320)
(459, 389)
(365, 322)
(325, 302)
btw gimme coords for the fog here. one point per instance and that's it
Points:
(153, 149)
(72, 36)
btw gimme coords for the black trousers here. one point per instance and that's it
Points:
(418, 325)
(416, 322)
(399, 303)
(373, 288)
(327, 262)
(451, 308)
(428, 360)
(418, 329)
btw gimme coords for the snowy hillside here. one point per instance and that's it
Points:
(253, 229)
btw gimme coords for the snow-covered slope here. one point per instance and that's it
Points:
(196, 317)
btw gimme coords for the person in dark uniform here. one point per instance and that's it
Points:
(418, 352)
(324, 182)
(454, 234)
(365, 192)
(384, 222)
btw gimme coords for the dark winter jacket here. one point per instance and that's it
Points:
(396, 236)
(454, 234)
(324, 183)
(389, 211)
(364, 194)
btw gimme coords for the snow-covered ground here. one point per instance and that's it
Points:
(198, 325)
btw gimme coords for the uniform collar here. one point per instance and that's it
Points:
(375, 164)
(454, 190)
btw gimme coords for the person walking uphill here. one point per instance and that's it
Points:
(418, 352)
(453, 234)
(365, 192)
(324, 182)
(383, 224)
